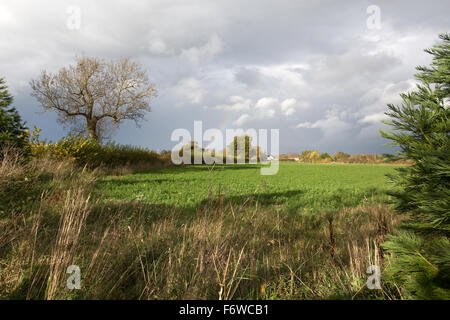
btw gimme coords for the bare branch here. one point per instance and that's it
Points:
(93, 91)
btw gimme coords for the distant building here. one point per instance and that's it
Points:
(289, 157)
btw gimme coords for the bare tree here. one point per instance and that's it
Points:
(94, 95)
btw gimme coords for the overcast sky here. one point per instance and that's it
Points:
(320, 71)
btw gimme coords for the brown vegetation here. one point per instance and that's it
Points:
(135, 250)
(309, 156)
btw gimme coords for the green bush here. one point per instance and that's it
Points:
(92, 153)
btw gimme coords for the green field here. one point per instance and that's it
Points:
(310, 187)
(308, 232)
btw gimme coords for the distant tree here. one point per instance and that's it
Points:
(341, 156)
(325, 158)
(324, 155)
(314, 156)
(191, 148)
(260, 156)
(95, 96)
(241, 147)
(421, 256)
(304, 156)
(12, 130)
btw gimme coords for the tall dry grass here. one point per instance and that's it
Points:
(134, 250)
(41, 213)
(73, 218)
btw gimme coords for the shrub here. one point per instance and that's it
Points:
(92, 153)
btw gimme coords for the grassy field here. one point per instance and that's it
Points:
(309, 187)
(309, 232)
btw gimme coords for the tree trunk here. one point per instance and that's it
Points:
(92, 128)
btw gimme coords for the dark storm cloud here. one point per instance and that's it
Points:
(311, 68)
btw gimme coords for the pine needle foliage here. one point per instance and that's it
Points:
(421, 125)
(12, 130)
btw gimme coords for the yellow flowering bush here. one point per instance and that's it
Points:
(90, 152)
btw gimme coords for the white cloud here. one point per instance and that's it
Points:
(287, 75)
(333, 123)
(289, 106)
(373, 118)
(288, 103)
(375, 100)
(265, 113)
(288, 112)
(203, 44)
(262, 109)
(158, 46)
(6, 17)
(241, 120)
(190, 89)
(209, 50)
(307, 124)
(265, 102)
(238, 103)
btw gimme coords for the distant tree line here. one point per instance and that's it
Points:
(314, 156)
(240, 150)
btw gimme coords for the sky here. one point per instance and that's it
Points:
(322, 72)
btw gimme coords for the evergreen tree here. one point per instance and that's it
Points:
(12, 130)
(421, 252)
